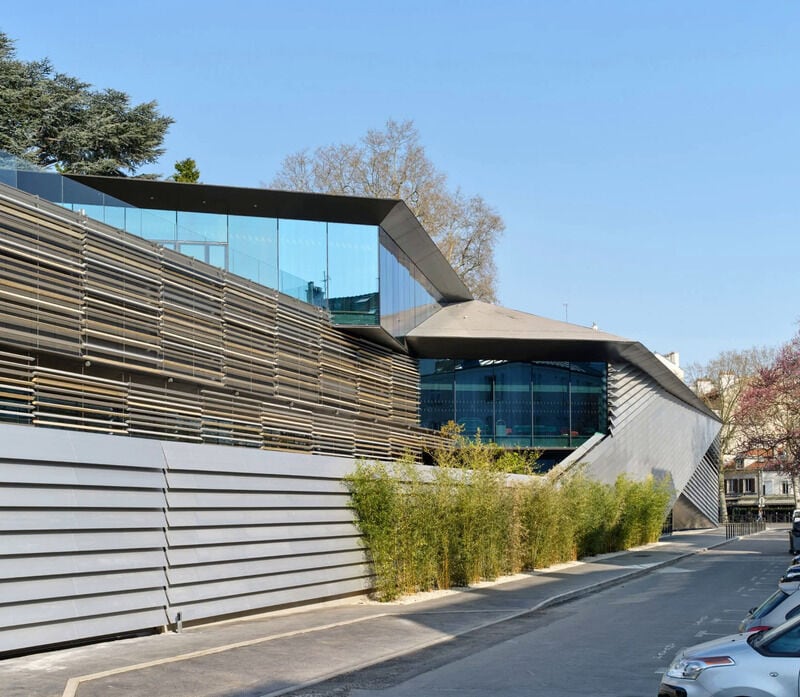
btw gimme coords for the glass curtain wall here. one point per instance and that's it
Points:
(353, 283)
(355, 271)
(408, 298)
(542, 405)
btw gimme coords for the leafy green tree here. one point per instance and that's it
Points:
(392, 164)
(55, 120)
(186, 171)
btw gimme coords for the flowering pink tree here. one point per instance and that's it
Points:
(769, 413)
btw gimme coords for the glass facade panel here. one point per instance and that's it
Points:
(206, 227)
(196, 251)
(356, 271)
(513, 413)
(153, 225)
(253, 249)
(474, 396)
(302, 260)
(550, 389)
(588, 404)
(353, 274)
(407, 298)
(541, 405)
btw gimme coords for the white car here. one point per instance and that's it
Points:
(760, 664)
(782, 605)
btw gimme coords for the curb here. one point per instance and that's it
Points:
(559, 599)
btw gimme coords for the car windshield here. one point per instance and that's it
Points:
(764, 639)
(769, 604)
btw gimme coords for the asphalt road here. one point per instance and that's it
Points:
(605, 626)
(614, 643)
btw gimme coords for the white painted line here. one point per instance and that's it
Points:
(74, 683)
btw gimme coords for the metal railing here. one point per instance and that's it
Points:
(746, 528)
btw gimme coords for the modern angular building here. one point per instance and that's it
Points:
(187, 371)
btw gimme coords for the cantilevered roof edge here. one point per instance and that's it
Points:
(477, 330)
(394, 216)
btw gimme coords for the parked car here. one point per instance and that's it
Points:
(792, 573)
(780, 606)
(794, 537)
(759, 664)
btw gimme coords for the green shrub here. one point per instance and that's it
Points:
(427, 528)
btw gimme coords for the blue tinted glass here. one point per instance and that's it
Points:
(94, 212)
(151, 224)
(544, 405)
(397, 292)
(253, 249)
(512, 405)
(80, 194)
(196, 251)
(551, 426)
(588, 400)
(424, 303)
(353, 273)
(45, 184)
(209, 227)
(302, 260)
(474, 398)
(406, 296)
(218, 255)
(8, 176)
(114, 215)
(437, 382)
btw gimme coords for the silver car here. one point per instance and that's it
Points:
(760, 664)
(782, 605)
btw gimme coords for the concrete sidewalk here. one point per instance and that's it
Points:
(280, 652)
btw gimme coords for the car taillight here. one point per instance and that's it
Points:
(760, 628)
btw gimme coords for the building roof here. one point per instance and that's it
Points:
(479, 330)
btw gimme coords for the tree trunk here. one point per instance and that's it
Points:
(723, 500)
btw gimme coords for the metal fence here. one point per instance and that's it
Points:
(746, 528)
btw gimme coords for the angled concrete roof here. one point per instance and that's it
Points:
(475, 330)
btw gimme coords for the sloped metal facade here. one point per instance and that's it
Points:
(652, 432)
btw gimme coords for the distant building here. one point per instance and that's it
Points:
(754, 486)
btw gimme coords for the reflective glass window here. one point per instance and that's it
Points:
(8, 176)
(115, 215)
(302, 260)
(516, 404)
(474, 399)
(153, 225)
(353, 273)
(253, 250)
(437, 405)
(513, 413)
(397, 288)
(424, 301)
(45, 184)
(217, 255)
(208, 227)
(588, 401)
(551, 422)
(80, 194)
(196, 251)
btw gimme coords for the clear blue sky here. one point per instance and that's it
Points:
(644, 154)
